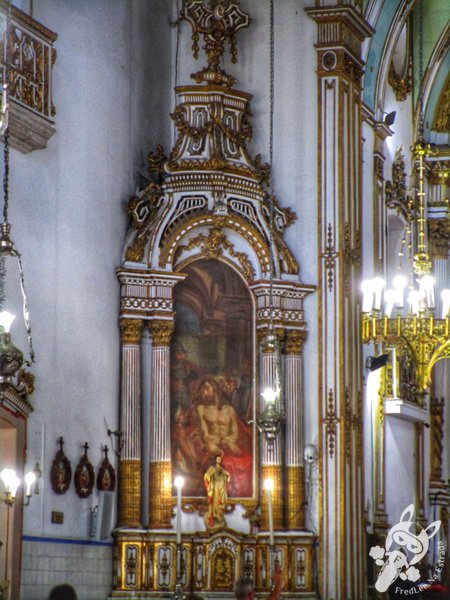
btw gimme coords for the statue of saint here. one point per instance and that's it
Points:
(216, 480)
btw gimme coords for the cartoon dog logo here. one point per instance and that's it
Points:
(403, 549)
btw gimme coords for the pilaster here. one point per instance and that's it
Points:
(341, 32)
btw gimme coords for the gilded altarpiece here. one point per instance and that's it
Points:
(205, 268)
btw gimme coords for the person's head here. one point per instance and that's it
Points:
(244, 589)
(219, 458)
(209, 391)
(63, 592)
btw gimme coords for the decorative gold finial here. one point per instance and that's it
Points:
(217, 21)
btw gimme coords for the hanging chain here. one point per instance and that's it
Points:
(5, 228)
(271, 192)
(5, 110)
(421, 115)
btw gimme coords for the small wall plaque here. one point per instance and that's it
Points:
(84, 476)
(106, 478)
(61, 471)
(57, 517)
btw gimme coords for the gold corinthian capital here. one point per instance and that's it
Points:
(161, 332)
(131, 330)
(293, 342)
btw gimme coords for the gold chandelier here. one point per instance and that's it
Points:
(421, 329)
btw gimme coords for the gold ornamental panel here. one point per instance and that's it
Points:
(274, 472)
(145, 563)
(295, 497)
(160, 494)
(130, 493)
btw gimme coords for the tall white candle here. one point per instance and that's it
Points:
(179, 481)
(269, 487)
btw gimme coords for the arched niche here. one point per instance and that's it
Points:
(212, 363)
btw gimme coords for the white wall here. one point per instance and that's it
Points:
(68, 215)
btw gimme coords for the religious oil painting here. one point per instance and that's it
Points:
(212, 378)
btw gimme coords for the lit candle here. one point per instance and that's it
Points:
(179, 482)
(268, 484)
(394, 373)
(30, 478)
(390, 297)
(427, 289)
(368, 291)
(399, 282)
(445, 297)
(378, 285)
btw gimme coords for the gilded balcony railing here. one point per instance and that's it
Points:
(31, 58)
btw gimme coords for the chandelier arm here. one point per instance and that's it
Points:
(26, 312)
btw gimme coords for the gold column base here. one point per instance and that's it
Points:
(129, 493)
(160, 497)
(274, 472)
(295, 497)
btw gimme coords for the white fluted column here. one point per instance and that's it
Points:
(130, 424)
(160, 471)
(271, 457)
(293, 398)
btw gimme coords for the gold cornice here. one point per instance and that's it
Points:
(347, 15)
(131, 330)
(223, 90)
(161, 332)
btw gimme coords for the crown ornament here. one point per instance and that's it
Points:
(218, 21)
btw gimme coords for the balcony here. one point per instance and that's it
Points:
(32, 57)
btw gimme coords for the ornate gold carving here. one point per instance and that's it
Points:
(437, 436)
(439, 237)
(131, 330)
(161, 332)
(442, 118)
(156, 160)
(274, 472)
(293, 342)
(329, 256)
(213, 245)
(296, 497)
(130, 493)
(395, 190)
(142, 210)
(353, 423)
(160, 495)
(218, 21)
(32, 58)
(234, 222)
(223, 564)
(330, 421)
(352, 256)
(401, 84)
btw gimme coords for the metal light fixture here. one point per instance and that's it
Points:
(420, 331)
(271, 417)
(11, 483)
(11, 359)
